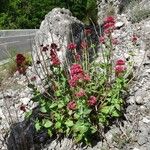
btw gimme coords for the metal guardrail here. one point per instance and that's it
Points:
(18, 40)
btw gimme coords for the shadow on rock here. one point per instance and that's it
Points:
(23, 136)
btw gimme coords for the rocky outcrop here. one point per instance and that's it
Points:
(59, 27)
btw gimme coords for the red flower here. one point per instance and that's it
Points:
(53, 46)
(81, 93)
(33, 78)
(22, 70)
(120, 69)
(73, 82)
(120, 62)
(38, 62)
(54, 58)
(87, 31)
(109, 19)
(72, 46)
(76, 70)
(115, 41)
(134, 38)
(55, 61)
(77, 57)
(84, 45)
(86, 77)
(92, 101)
(102, 39)
(109, 24)
(71, 105)
(20, 59)
(23, 107)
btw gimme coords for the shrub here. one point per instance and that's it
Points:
(29, 14)
(86, 95)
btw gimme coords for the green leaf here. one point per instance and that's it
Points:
(50, 132)
(58, 125)
(76, 116)
(87, 111)
(61, 105)
(58, 93)
(43, 109)
(79, 137)
(117, 106)
(93, 129)
(37, 126)
(83, 129)
(69, 123)
(105, 110)
(53, 105)
(115, 113)
(102, 118)
(48, 124)
(28, 114)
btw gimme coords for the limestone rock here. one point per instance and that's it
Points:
(59, 27)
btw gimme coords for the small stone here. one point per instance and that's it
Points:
(142, 109)
(119, 24)
(139, 100)
(142, 139)
(145, 120)
(136, 148)
(131, 100)
(25, 100)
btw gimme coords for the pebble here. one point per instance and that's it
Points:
(136, 148)
(139, 100)
(25, 100)
(145, 120)
(119, 24)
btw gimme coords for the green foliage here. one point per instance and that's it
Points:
(29, 14)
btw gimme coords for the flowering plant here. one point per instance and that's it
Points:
(88, 93)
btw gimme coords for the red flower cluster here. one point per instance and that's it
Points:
(92, 101)
(76, 70)
(77, 57)
(22, 70)
(84, 45)
(53, 46)
(71, 105)
(86, 77)
(102, 39)
(109, 24)
(120, 67)
(33, 78)
(77, 73)
(72, 46)
(120, 62)
(20, 59)
(23, 107)
(81, 93)
(45, 48)
(87, 31)
(54, 58)
(115, 41)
